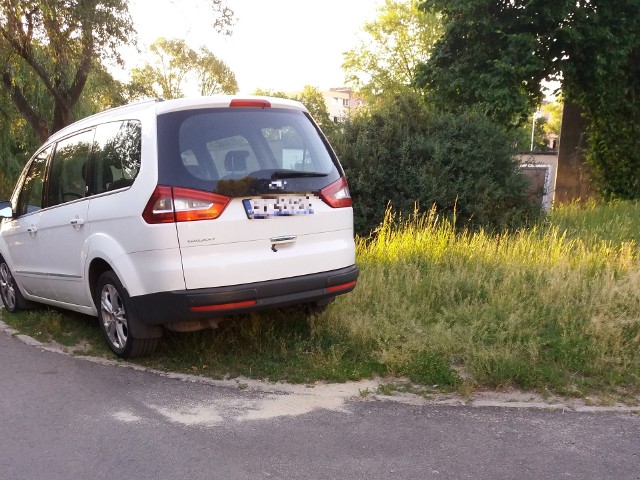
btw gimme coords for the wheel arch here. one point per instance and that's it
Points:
(96, 268)
(137, 326)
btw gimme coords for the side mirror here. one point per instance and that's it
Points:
(6, 210)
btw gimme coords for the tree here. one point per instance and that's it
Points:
(59, 42)
(273, 93)
(553, 113)
(522, 135)
(312, 98)
(547, 120)
(393, 45)
(214, 76)
(494, 55)
(176, 63)
(17, 138)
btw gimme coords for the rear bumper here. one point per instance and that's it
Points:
(169, 307)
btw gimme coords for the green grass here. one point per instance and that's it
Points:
(540, 309)
(73, 332)
(555, 308)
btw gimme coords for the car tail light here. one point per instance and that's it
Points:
(337, 194)
(250, 102)
(159, 208)
(175, 204)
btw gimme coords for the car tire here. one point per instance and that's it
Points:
(116, 314)
(9, 291)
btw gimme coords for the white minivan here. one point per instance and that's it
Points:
(173, 214)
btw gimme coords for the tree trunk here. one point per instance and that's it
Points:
(573, 180)
(62, 116)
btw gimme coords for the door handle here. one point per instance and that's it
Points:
(32, 230)
(283, 240)
(77, 223)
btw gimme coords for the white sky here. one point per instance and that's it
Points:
(276, 44)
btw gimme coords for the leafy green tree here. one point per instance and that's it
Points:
(214, 76)
(522, 135)
(391, 48)
(312, 98)
(548, 120)
(51, 70)
(59, 42)
(553, 112)
(494, 55)
(16, 138)
(175, 63)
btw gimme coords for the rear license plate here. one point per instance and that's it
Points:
(279, 206)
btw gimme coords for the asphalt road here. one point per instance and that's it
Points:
(68, 418)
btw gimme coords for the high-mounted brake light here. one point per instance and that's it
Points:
(337, 194)
(249, 102)
(175, 204)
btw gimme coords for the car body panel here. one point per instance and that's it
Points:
(21, 242)
(62, 245)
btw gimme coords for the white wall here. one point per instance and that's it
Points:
(551, 161)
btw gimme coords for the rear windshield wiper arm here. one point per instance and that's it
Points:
(296, 174)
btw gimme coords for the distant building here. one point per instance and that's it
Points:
(340, 102)
(541, 170)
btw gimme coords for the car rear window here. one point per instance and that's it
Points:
(241, 151)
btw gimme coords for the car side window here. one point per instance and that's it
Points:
(30, 197)
(116, 155)
(67, 180)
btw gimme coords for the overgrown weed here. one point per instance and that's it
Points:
(539, 308)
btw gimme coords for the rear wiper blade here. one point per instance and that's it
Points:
(296, 174)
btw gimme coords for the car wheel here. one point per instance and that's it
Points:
(9, 291)
(116, 316)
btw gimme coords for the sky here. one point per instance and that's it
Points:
(276, 44)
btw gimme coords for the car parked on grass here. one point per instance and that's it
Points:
(172, 214)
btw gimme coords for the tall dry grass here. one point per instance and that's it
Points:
(536, 308)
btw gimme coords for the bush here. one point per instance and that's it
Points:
(406, 155)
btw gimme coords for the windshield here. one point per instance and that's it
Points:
(241, 151)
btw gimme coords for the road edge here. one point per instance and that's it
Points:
(364, 390)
